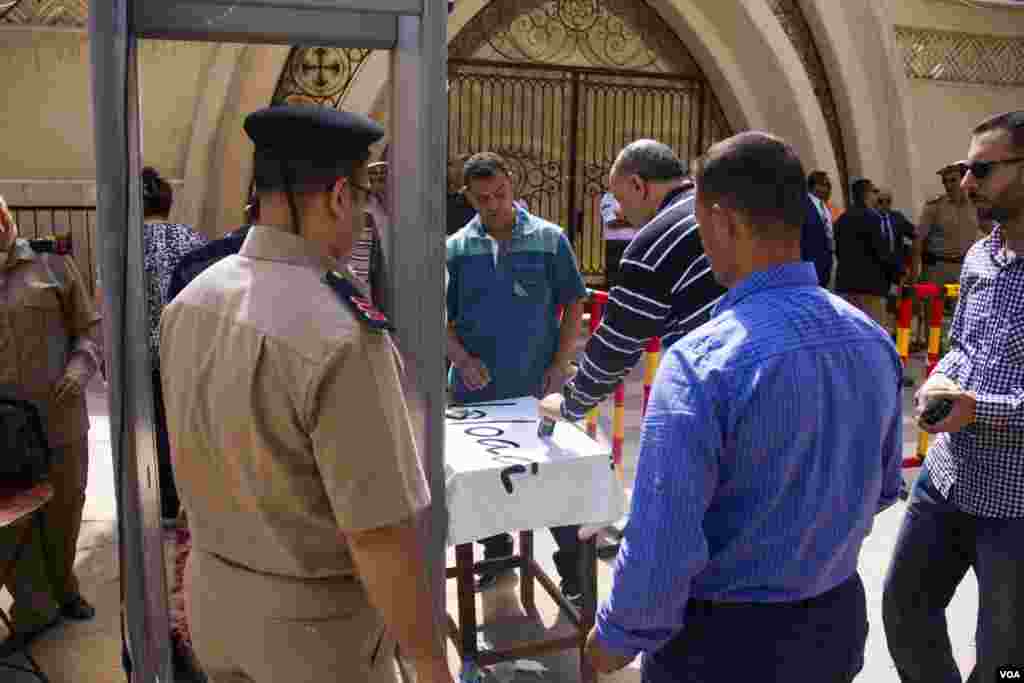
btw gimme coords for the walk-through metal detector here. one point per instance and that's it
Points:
(414, 32)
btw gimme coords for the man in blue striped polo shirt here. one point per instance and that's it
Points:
(508, 272)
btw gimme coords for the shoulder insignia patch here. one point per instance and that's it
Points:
(355, 300)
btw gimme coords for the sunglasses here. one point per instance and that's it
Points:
(982, 169)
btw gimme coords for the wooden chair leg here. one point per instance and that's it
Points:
(588, 615)
(467, 599)
(526, 578)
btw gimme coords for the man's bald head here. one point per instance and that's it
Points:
(8, 228)
(644, 173)
(651, 160)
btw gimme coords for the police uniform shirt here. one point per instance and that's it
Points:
(285, 414)
(949, 229)
(47, 323)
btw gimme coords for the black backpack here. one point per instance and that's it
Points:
(25, 456)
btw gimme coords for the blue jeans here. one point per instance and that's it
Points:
(819, 640)
(937, 543)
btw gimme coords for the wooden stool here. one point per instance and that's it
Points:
(464, 634)
(18, 505)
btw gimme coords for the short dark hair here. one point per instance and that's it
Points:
(859, 191)
(157, 195)
(484, 165)
(815, 177)
(306, 175)
(1011, 122)
(759, 175)
(651, 160)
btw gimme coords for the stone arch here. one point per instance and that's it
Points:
(742, 48)
(870, 92)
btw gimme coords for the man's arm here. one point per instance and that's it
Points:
(390, 561)
(892, 446)
(917, 251)
(637, 312)
(664, 545)
(377, 492)
(83, 325)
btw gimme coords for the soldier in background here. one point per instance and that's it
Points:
(948, 227)
(49, 352)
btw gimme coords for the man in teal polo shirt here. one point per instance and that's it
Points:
(508, 273)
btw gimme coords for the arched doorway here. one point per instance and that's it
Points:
(557, 87)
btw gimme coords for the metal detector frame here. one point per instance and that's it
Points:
(415, 33)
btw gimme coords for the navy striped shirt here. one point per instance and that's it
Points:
(667, 290)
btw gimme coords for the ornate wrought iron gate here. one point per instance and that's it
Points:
(560, 128)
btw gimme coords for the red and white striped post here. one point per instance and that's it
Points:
(652, 357)
(598, 300)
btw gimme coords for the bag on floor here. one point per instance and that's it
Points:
(25, 456)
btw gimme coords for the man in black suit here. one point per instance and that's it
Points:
(869, 251)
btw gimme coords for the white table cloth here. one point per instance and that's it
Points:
(500, 476)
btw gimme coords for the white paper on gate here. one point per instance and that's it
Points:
(500, 476)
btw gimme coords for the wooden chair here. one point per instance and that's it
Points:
(24, 506)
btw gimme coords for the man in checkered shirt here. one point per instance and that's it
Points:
(967, 506)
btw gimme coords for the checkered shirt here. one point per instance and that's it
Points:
(983, 464)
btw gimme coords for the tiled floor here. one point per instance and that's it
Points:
(90, 652)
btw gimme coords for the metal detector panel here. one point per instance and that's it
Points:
(413, 280)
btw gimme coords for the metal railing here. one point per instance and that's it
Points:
(933, 296)
(77, 223)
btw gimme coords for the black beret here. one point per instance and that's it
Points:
(311, 133)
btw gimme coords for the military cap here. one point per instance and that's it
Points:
(299, 133)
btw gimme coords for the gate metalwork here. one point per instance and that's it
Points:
(558, 87)
(560, 128)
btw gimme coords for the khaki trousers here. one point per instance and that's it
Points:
(871, 305)
(249, 627)
(45, 576)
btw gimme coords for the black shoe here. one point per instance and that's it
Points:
(78, 608)
(20, 640)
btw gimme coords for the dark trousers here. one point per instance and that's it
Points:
(567, 558)
(169, 502)
(820, 639)
(937, 543)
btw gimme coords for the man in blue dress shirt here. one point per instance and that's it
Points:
(771, 440)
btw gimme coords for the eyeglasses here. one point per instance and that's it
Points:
(982, 169)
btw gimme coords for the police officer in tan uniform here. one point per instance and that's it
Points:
(49, 351)
(947, 229)
(291, 442)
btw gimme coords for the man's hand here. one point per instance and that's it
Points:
(601, 659)
(964, 404)
(72, 384)
(473, 372)
(555, 378)
(551, 406)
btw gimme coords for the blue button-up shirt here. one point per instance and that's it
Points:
(772, 437)
(502, 300)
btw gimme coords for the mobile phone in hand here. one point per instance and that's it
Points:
(937, 410)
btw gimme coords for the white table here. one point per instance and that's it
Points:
(502, 477)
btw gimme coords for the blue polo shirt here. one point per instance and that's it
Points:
(503, 300)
